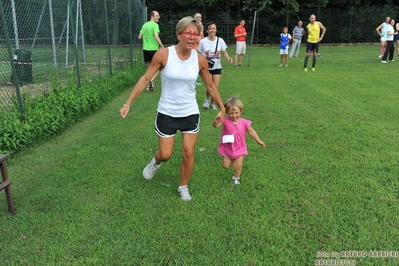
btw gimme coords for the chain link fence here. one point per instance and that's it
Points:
(48, 43)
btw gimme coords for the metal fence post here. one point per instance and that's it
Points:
(130, 33)
(107, 31)
(10, 53)
(75, 45)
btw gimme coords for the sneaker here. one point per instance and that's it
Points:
(237, 65)
(383, 61)
(213, 106)
(296, 56)
(236, 181)
(280, 65)
(318, 55)
(184, 194)
(150, 169)
(206, 103)
(390, 60)
(151, 86)
(305, 69)
(197, 83)
(313, 69)
(286, 64)
(380, 56)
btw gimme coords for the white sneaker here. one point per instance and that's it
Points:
(151, 86)
(380, 56)
(184, 194)
(206, 103)
(280, 65)
(150, 169)
(197, 83)
(390, 60)
(286, 64)
(382, 61)
(236, 181)
(213, 106)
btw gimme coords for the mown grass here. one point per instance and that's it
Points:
(327, 181)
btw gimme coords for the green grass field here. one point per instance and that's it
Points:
(327, 182)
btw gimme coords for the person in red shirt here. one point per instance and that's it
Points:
(241, 34)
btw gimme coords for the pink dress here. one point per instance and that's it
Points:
(239, 146)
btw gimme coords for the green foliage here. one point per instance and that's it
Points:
(51, 113)
(364, 20)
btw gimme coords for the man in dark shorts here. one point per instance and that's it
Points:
(314, 38)
(151, 42)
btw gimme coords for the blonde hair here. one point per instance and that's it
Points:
(233, 103)
(185, 22)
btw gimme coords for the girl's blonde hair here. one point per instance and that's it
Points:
(233, 102)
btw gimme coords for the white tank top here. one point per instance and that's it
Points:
(178, 96)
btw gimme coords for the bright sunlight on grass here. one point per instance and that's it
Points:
(327, 182)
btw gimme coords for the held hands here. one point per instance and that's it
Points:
(261, 143)
(219, 117)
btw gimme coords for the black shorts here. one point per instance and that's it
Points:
(148, 55)
(216, 71)
(312, 47)
(167, 126)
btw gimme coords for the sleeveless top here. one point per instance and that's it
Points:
(314, 32)
(178, 96)
(284, 40)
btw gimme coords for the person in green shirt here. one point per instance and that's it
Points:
(149, 33)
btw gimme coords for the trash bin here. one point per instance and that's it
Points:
(23, 66)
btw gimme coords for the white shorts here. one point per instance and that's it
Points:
(241, 47)
(383, 39)
(284, 51)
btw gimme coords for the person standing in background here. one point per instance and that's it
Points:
(314, 38)
(382, 32)
(297, 34)
(389, 50)
(397, 37)
(198, 17)
(149, 33)
(240, 33)
(285, 38)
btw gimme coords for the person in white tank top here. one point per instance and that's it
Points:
(382, 32)
(179, 66)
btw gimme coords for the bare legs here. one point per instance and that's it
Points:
(216, 81)
(165, 151)
(237, 163)
(238, 59)
(383, 47)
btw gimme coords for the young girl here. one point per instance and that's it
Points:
(233, 145)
